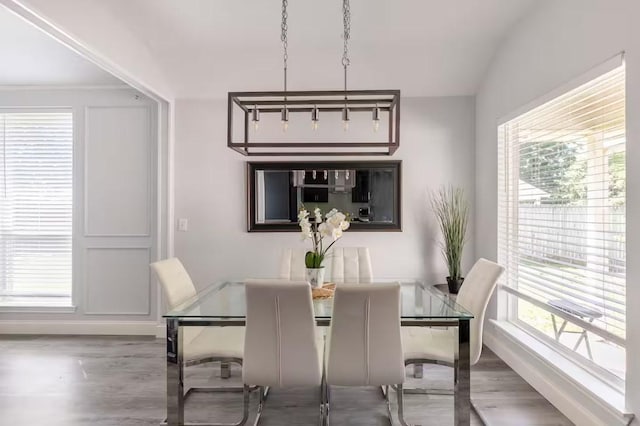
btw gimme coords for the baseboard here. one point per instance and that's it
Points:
(121, 328)
(579, 405)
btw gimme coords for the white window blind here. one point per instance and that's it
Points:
(561, 206)
(36, 174)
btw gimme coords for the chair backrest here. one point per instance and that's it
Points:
(280, 335)
(351, 265)
(292, 265)
(365, 345)
(175, 281)
(474, 295)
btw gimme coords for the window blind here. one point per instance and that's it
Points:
(36, 180)
(561, 211)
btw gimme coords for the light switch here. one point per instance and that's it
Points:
(183, 225)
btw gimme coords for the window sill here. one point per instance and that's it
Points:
(11, 304)
(588, 383)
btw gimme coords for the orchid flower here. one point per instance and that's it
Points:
(332, 225)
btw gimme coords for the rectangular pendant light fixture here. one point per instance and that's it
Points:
(305, 110)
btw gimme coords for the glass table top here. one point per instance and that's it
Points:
(226, 300)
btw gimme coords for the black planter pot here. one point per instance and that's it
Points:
(454, 285)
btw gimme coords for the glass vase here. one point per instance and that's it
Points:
(315, 276)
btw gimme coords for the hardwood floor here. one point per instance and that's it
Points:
(119, 381)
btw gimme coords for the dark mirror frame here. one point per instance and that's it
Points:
(252, 167)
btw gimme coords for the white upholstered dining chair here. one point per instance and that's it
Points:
(201, 344)
(436, 346)
(282, 346)
(344, 265)
(364, 347)
(351, 265)
(292, 265)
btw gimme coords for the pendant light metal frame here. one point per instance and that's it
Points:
(358, 101)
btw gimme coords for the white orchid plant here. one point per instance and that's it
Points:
(317, 229)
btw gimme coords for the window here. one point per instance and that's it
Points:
(36, 180)
(561, 224)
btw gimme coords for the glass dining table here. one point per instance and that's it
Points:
(223, 305)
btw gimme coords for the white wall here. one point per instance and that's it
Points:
(114, 216)
(557, 42)
(436, 148)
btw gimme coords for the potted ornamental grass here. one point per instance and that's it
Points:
(316, 229)
(452, 213)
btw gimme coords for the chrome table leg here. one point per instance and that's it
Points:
(175, 374)
(462, 376)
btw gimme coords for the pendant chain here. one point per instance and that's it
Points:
(285, 44)
(346, 20)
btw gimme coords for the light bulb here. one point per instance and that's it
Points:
(255, 117)
(376, 118)
(345, 118)
(285, 118)
(315, 117)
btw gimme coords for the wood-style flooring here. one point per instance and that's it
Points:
(120, 381)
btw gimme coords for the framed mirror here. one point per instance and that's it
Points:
(369, 191)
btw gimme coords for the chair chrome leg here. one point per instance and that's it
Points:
(323, 404)
(400, 395)
(321, 411)
(418, 371)
(246, 394)
(385, 393)
(263, 396)
(215, 389)
(422, 391)
(245, 413)
(327, 404)
(225, 370)
(481, 416)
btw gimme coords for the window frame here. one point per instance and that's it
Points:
(507, 297)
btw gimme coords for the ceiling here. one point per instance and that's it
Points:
(30, 57)
(423, 47)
